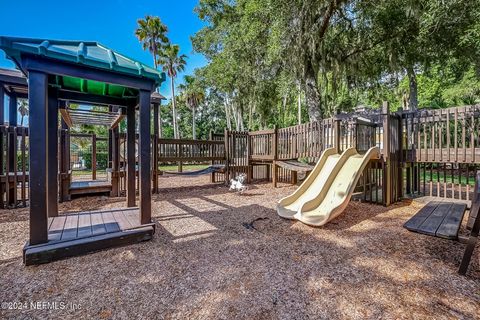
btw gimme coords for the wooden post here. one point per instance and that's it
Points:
(211, 153)
(131, 156)
(94, 157)
(155, 147)
(115, 179)
(37, 95)
(12, 146)
(2, 123)
(144, 161)
(64, 163)
(337, 132)
(227, 157)
(472, 240)
(249, 164)
(275, 157)
(387, 187)
(110, 143)
(52, 153)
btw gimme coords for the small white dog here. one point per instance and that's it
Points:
(237, 184)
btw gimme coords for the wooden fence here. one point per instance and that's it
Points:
(14, 167)
(429, 152)
(441, 151)
(190, 150)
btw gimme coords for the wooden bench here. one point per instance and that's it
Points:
(439, 219)
(443, 219)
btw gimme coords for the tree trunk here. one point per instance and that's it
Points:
(284, 108)
(299, 104)
(240, 117)
(227, 114)
(312, 95)
(21, 120)
(194, 134)
(412, 83)
(174, 109)
(250, 115)
(155, 56)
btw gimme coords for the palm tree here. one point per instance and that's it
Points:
(23, 109)
(172, 63)
(193, 97)
(151, 32)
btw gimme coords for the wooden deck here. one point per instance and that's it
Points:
(89, 187)
(80, 233)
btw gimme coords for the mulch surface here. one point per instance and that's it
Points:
(223, 255)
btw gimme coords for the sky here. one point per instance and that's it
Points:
(110, 22)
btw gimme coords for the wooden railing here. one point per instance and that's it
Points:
(301, 141)
(434, 152)
(14, 166)
(310, 139)
(262, 144)
(190, 150)
(444, 135)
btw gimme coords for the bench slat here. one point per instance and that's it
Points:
(416, 221)
(451, 224)
(431, 224)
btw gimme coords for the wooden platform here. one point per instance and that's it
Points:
(438, 218)
(80, 233)
(89, 187)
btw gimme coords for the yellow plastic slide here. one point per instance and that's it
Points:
(328, 189)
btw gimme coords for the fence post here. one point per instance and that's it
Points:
(227, 157)
(355, 133)
(94, 157)
(275, 157)
(336, 130)
(387, 177)
(211, 153)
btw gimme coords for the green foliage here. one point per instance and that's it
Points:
(269, 60)
(335, 55)
(102, 160)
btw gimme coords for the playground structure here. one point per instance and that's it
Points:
(426, 152)
(83, 72)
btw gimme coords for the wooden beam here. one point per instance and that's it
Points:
(144, 161)
(117, 121)
(66, 117)
(56, 67)
(37, 92)
(131, 157)
(52, 154)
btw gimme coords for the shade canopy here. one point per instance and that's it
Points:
(84, 53)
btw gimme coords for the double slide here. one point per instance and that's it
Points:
(325, 193)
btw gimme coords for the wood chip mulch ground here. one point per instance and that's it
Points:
(224, 255)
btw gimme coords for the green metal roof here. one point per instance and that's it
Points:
(88, 53)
